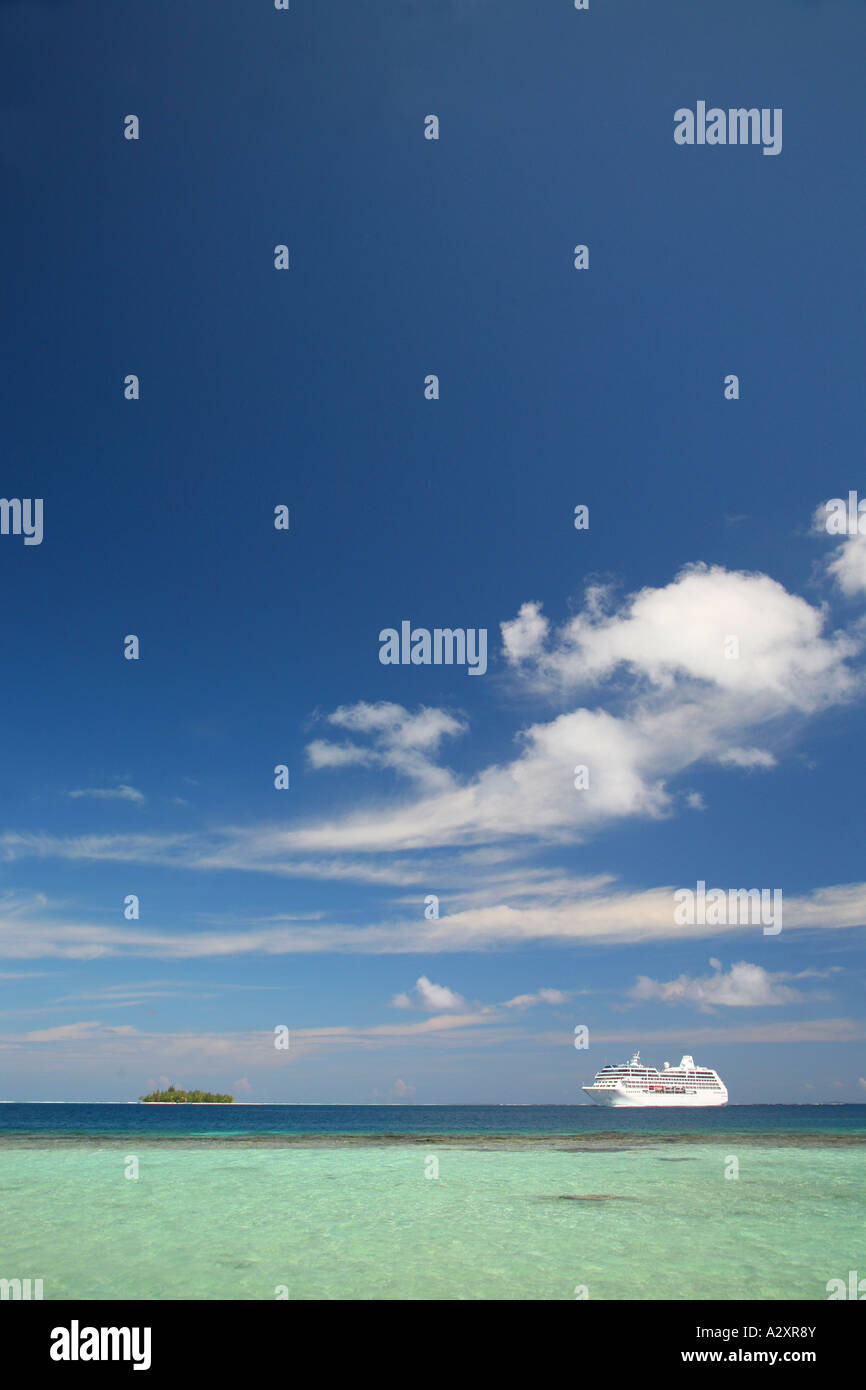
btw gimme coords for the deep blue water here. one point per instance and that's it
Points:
(105, 1119)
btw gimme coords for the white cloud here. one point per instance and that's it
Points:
(435, 998)
(747, 757)
(402, 741)
(321, 753)
(74, 1032)
(848, 566)
(681, 702)
(745, 986)
(523, 638)
(542, 996)
(63, 1033)
(680, 631)
(122, 792)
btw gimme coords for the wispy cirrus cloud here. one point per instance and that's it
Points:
(617, 916)
(74, 1032)
(541, 996)
(122, 792)
(76, 1046)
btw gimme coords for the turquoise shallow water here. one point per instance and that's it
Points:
(215, 1220)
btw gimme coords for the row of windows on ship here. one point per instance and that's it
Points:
(674, 1081)
(675, 1075)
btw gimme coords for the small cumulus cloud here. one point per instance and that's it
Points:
(744, 986)
(432, 997)
(747, 757)
(401, 740)
(523, 638)
(847, 564)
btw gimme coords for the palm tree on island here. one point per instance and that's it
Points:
(174, 1097)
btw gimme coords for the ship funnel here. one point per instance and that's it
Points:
(688, 1062)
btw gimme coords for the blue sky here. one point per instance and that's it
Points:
(605, 387)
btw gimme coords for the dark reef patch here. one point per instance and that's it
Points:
(589, 1197)
(490, 1143)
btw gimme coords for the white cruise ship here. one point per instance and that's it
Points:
(634, 1084)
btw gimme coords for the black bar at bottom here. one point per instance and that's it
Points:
(154, 1338)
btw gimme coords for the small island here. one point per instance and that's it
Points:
(175, 1097)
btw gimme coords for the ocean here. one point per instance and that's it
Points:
(431, 1202)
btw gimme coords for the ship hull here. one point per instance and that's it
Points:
(617, 1097)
